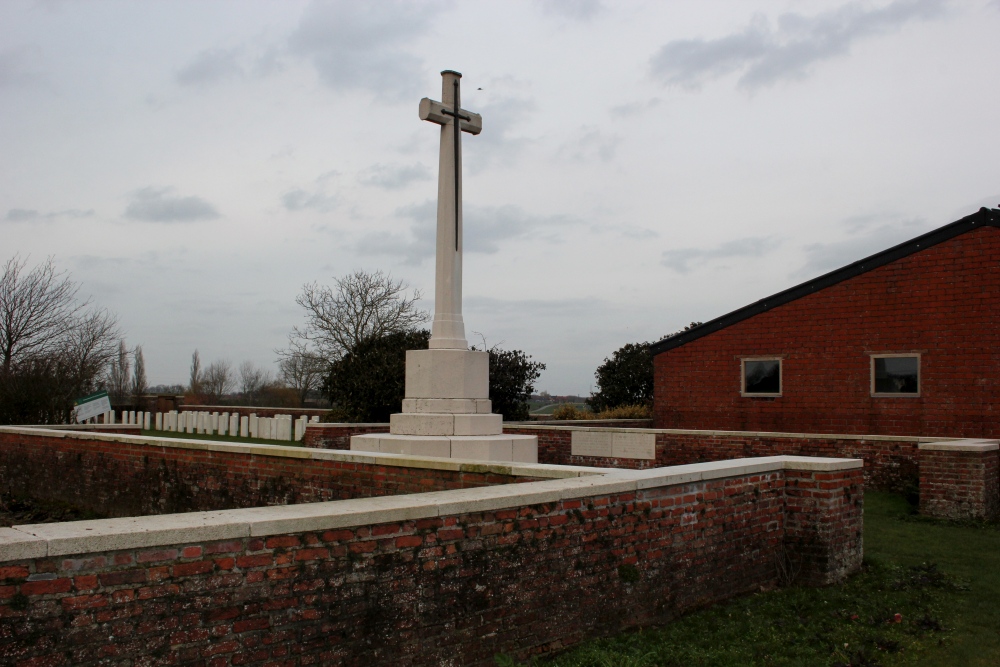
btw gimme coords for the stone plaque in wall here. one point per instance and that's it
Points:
(633, 446)
(591, 443)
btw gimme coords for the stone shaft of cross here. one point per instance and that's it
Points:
(448, 328)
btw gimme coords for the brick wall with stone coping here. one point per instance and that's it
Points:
(450, 577)
(117, 475)
(337, 436)
(891, 462)
(960, 479)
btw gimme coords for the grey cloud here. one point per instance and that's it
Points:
(394, 176)
(300, 200)
(590, 143)
(638, 233)
(316, 199)
(358, 45)
(685, 259)
(503, 119)
(211, 66)
(484, 227)
(17, 68)
(766, 55)
(988, 202)
(573, 310)
(22, 214)
(635, 108)
(158, 205)
(576, 10)
(867, 235)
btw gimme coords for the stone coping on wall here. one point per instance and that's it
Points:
(541, 470)
(83, 428)
(964, 445)
(590, 426)
(79, 537)
(749, 434)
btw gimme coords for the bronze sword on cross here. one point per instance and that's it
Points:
(462, 121)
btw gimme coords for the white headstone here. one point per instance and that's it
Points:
(244, 426)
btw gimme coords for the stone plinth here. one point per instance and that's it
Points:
(446, 413)
(504, 447)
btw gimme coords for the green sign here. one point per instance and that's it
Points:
(92, 406)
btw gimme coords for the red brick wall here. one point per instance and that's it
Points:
(889, 465)
(128, 479)
(941, 301)
(449, 590)
(959, 484)
(337, 436)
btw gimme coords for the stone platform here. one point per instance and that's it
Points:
(509, 448)
(447, 413)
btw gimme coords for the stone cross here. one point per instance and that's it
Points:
(448, 328)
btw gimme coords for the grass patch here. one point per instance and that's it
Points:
(219, 438)
(927, 595)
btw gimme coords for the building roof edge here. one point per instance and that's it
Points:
(984, 217)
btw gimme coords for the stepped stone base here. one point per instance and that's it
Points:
(504, 447)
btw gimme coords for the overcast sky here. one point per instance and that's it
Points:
(641, 165)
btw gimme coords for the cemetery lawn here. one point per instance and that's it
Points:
(220, 438)
(942, 578)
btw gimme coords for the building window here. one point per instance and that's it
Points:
(895, 375)
(761, 376)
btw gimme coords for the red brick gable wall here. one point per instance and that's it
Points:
(940, 302)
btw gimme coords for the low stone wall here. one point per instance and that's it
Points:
(960, 479)
(442, 578)
(337, 436)
(891, 462)
(135, 475)
(602, 423)
(118, 429)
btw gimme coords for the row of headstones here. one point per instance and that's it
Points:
(279, 427)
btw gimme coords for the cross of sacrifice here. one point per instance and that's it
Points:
(448, 328)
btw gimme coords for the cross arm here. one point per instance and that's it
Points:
(434, 112)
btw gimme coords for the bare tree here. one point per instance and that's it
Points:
(138, 385)
(53, 347)
(196, 377)
(253, 379)
(37, 308)
(361, 305)
(218, 380)
(89, 349)
(118, 375)
(302, 371)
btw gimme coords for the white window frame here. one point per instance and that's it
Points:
(891, 355)
(756, 394)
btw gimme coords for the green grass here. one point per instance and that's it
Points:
(220, 438)
(943, 579)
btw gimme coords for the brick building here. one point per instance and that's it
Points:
(905, 342)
